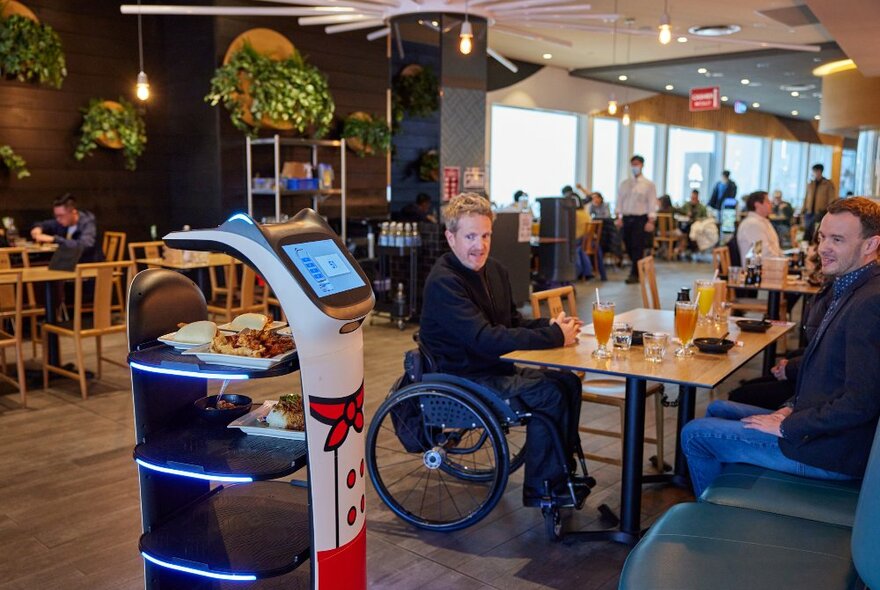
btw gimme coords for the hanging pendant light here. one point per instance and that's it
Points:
(612, 100)
(612, 106)
(665, 28)
(142, 87)
(466, 37)
(626, 119)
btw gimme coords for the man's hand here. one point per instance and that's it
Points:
(768, 423)
(778, 370)
(43, 238)
(570, 327)
(618, 222)
(36, 232)
(649, 227)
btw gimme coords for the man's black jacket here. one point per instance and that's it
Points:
(469, 320)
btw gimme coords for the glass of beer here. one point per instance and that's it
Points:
(603, 320)
(685, 324)
(706, 294)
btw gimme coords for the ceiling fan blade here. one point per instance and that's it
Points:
(373, 3)
(517, 4)
(378, 34)
(502, 60)
(334, 19)
(531, 35)
(355, 26)
(166, 9)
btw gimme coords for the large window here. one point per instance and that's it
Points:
(745, 158)
(788, 167)
(533, 151)
(847, 172)
(645, 144)
(606, 145)
(689, 162)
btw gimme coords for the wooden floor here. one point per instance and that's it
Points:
(69, 513)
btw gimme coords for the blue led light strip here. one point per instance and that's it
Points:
(195, 474)
(183, 373)
(191, 570)
(241, 216)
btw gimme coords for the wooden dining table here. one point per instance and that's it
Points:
(700, 370)
(200, 267)
(775, 290)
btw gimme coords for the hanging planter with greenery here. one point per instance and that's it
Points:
(113, 125)
(366, 135)
(415, 92)
(255, 88)
(429, 166)
(14, 162)
(30, 51)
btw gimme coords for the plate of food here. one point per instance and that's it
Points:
(190, 335)
(252, 321)
(249, 349)
(284, 418)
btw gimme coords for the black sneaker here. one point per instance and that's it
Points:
(632, 280)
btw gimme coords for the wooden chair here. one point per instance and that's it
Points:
(80, 327)
(721, 261)
(18, 257)
(141, 250)
(592, 239)
(11, 308)
(237, 301)
(667, 235)
(113, 247)
(606, 391)
(648, 283)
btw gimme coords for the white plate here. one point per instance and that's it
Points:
(170, 341)
(251, 423)
(285, 331)
(203, 353)
(273, 326)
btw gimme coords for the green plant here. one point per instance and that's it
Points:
(31, 51)
(429, 166)
(102, 122)
(14, 162)
(369, 135)
(415, 92)
(252, 86)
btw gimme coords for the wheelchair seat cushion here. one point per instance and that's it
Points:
(756, 488)
(704, 546)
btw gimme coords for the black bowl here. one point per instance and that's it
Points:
(753, 325)
(638, 339)
(713, 345)
(206, 408)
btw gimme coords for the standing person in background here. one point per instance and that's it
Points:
(820, 194)
(724, 189)
(636, 212)
(71, 227)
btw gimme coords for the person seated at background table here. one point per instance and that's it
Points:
(665, 205)
(597, 208)
(827, 427)
(469, 320)
(756, 227)
(781, 217)
(71, 227)
(420, 211)
(694, 210)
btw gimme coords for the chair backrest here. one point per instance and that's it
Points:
(866, 530)
(10, 305)
(16, 258)
(592, 235)
(648, 283)
(665, 224)
(145, 249)
(103, 292)
(114, 245)
(721, 259)
(554, 297)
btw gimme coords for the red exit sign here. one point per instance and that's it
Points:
(705, 99)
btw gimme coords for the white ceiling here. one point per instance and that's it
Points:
(591, 49)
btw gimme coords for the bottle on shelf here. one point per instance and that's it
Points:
(371, 242)
(407, 235)
(416, 234)
(383, 234)
(399, 311)
(398, 235)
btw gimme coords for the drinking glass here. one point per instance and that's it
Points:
(603, 319)
(622, 335)
(685, 324)
(706, 297)
(655, 345)
(722, 315)
(734, 275)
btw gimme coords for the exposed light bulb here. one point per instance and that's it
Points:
(612, 107)
(626, 119)
(142, 88)
(466, 38)
(665, 30)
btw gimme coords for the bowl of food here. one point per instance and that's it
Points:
(714, 345)
(753, 325)
(222, 409)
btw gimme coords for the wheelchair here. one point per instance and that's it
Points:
(441, 448)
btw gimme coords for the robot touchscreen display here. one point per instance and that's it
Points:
(324, 267)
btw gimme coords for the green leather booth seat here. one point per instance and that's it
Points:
(701, 546)
(756, 488)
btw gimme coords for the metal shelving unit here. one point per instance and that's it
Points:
(318, 195)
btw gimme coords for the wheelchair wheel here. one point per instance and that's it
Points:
(437, 456)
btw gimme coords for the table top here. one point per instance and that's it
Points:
(700, 370)
(214, 259)
(39, 274)
(803, 288)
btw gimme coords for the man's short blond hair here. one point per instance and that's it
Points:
(463, 205)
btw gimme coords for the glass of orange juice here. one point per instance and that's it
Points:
(685, 325)
(706, 294)
(603, 320)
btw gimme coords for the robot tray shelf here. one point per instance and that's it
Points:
(163, 359)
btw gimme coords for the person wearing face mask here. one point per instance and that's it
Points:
(636, 211)
(469, 320)
(820, 194)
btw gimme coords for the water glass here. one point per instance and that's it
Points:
(622, 335)
(655, 346)
(722, 314)
(734, 275)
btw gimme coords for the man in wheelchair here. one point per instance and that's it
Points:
(469, 320)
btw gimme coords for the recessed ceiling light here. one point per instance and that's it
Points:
(723, 99)
(795, 93)
(794, 113)
(623, 77)
(547, 56)
(435, 23)
(714, 30)
(670, 87)
(745, 81)
(817, 117)
(756, 105)
(682, 39)
(702, 71)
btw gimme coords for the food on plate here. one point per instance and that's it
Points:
(288, 413)
(253, 343)
(222, 404)
(200, 332)
(254, 321)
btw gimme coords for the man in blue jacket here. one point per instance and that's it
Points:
(826, 429)
(469, 320)
(70, 227)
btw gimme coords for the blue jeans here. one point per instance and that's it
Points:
(721, 438)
